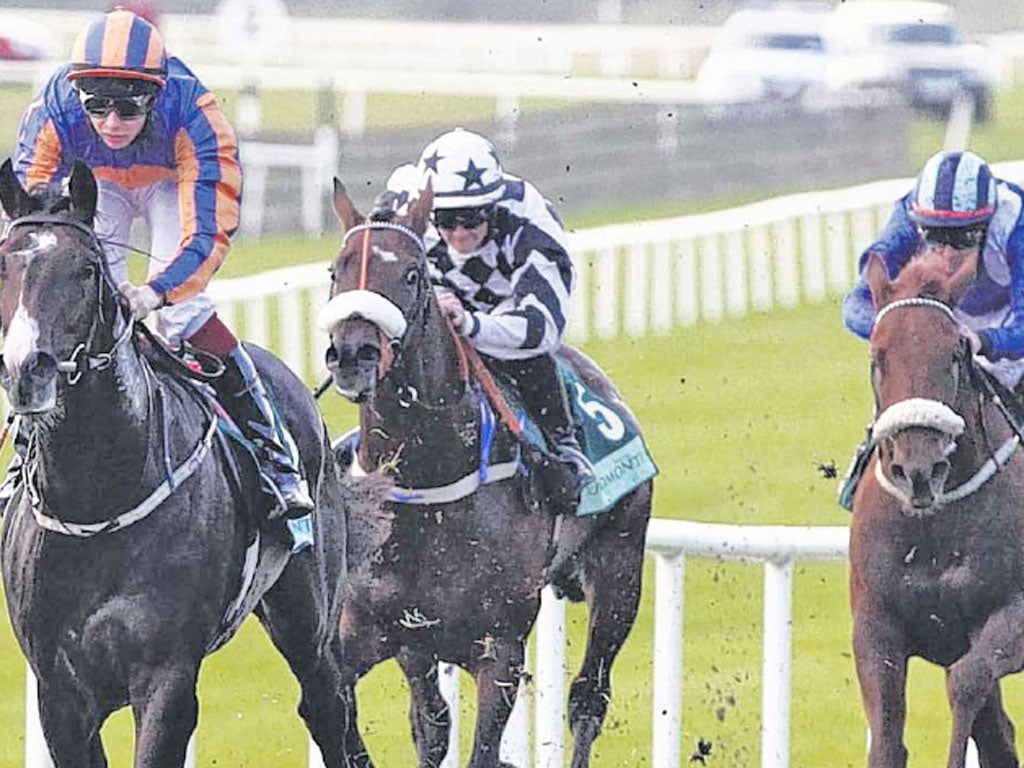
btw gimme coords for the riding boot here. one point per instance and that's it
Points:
(546, 401)
(13, 475)
(861, 457)
(242, 392)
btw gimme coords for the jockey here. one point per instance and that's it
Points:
(161, 150)
(499, 258)
(956, 210)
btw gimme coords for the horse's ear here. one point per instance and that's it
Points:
(344, 209)
(963, 278)
(420, 208)
(83, 193)
(15, 200)
(877, 275)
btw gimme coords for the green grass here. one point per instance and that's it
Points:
(738, 415)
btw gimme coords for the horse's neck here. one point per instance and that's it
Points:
(101, 433)
(423, 394)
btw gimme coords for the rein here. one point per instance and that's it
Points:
(934, 414)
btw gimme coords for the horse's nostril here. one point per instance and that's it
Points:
(897, 472)
(331, 356)
(940, 470)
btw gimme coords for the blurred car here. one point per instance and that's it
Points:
(911, 46)
(21, 40)
(766, 50)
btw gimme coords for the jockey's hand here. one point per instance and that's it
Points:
(141, 298)
(451, 307)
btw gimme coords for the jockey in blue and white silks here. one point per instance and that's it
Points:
(161, 150)
(499, 256)
(957, 205)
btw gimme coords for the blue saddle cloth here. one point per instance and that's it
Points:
(617, 450)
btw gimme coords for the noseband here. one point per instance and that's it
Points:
(83, 358)
(393, 321)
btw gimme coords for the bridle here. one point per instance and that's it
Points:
(962, 356)
(413, 315)
(937, 415)
(84, 358)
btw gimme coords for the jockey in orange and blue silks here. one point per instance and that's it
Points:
(957, 205)
(161, 150)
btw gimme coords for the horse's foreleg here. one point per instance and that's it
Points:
(881, 658)
(71, 728)
(428, 711)
(972, 684)
(497, 668)
(993, 734)
(166, 710)
(297, 614)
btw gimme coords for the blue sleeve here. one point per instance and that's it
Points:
(1008, 341)
(896, 244)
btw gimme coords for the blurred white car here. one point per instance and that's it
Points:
(766, 50)
(22, 40)
(909, 46)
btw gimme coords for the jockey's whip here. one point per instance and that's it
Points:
(322, 387)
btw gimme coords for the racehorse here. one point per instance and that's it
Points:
(461, 575)
(937, 536)
(128, 549)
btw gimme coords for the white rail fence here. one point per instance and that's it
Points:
(670, 542)
(640, 278)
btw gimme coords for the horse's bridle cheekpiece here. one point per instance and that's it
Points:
(82, 359)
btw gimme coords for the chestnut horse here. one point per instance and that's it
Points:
(460, 577)
(937, 536)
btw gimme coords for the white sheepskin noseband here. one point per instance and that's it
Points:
(367, 305)
(918, 412)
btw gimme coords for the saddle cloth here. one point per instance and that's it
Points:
(617, 450)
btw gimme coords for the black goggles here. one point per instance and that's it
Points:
(958, 238)
(127, 107)
(469, 218)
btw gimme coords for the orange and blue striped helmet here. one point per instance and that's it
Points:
(120, 45)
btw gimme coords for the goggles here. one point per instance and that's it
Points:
(468, 218)
(127, 107)
(958, 238)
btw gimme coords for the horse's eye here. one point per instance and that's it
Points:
(412, 277)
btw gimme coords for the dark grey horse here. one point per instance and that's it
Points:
(116, 594)
(460, 577)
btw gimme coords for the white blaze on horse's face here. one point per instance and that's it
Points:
(21, 339)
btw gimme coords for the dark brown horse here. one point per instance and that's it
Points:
(937, 538)
(126, 551)
(460, 577)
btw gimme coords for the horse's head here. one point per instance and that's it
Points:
(380, 291)
(53, 281)
(920, 368)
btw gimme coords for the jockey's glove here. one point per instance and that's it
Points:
(142, 299)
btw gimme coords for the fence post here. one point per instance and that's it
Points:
(667, 699)
(775, 688)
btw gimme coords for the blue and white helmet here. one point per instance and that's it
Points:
(955, 189)
(463, 170)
